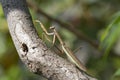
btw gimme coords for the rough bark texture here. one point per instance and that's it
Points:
(32, 51)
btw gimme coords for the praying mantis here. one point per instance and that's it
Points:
(66, 50)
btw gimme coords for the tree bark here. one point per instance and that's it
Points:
(32, 51)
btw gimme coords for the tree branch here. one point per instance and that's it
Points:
(32, 51)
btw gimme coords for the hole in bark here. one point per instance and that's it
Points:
(24, 47)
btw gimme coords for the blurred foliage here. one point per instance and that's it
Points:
(116, 75)
(89, 16)
(110, 35)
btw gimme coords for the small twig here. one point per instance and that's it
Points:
(68, 26)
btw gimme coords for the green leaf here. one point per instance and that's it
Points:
(116, 75)
(110, 36)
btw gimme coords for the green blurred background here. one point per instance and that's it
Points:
(99, 20)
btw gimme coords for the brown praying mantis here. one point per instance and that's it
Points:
(66, 50)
